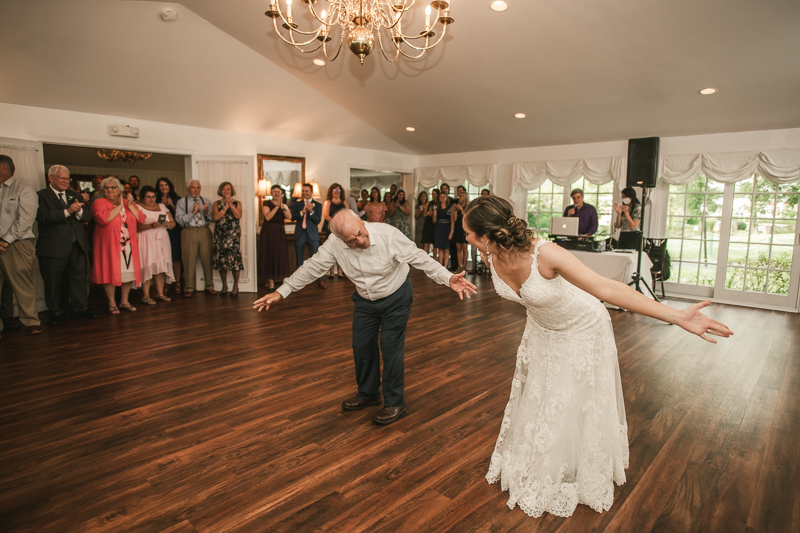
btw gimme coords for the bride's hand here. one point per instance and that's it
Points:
(693, 321)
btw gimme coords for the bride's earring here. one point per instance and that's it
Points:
(487, 248)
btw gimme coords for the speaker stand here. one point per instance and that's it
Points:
(636, 278)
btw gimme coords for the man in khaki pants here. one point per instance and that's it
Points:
(193, 212)
(18, 205)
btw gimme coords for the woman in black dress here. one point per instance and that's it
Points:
(273, 251)
(167, 196)
(420, 218)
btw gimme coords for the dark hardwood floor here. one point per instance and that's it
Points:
(203, 415)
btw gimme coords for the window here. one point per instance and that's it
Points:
(762, 236)
(693, 228)
(543, 204)
(602, 198)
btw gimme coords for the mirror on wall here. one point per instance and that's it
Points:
(284, 171)
(367, 179)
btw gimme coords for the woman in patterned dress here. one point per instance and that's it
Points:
(563, 439)
(227, 213)
(399, 209)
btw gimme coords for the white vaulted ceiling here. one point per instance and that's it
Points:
(581, 70)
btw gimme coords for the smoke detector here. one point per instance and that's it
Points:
(168, 15)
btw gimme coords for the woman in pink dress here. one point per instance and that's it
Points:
(155, 250)
(375, 210)
(116, 247)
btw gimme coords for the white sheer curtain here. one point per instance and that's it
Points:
(287, 178)
(29, 169)
(211, 174)
(476, 175)
(531, 175)
(779, 166)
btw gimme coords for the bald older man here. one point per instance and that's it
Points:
(375, 257)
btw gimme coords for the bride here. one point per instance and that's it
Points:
(563, 439)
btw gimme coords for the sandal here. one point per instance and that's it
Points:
(177, 289)
(128, 307)
(148, 301)
(113, 310)
(163, 298)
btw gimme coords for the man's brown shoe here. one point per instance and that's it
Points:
(212, 292)
(387, 415)
(188, 294)
(355, 403)
(34, 330)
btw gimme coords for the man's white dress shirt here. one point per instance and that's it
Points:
(377, 271)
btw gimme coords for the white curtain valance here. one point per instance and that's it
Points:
(532, 175)
(475, 175)
(779, 166)
(286, 178)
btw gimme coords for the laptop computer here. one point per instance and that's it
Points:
(564, 226)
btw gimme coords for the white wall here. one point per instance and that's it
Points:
(325, 163)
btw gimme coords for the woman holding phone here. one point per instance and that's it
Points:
(155, 250)
(167, 196)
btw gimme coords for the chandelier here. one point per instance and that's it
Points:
(121, 156)
(360, 21)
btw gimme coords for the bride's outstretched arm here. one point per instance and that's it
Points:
(554, 260)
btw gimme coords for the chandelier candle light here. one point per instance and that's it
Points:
(360, 21)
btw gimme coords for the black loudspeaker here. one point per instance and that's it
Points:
(643, 162)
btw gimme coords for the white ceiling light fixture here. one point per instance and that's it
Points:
(359, 21)
(498, 5)
(319, 62)
(168, 15)
(520, 115)
(410, 128)
(707, 91)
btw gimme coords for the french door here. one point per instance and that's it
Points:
(759, 247)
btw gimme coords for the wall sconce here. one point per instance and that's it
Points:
(297, 192)
(315, 194)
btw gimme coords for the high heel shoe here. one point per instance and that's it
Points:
(223, 292)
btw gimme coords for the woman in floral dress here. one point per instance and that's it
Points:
(227, 213)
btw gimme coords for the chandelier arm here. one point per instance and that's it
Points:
(292, 28)
(291, 34)
(406, 40)
(399, 50)
(383, 51)
(338, 49)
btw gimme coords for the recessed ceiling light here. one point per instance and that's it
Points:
(520, 115)
(410, 129)
(498, 5)
(319, 62)
(709, 90)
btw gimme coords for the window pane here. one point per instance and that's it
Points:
(740, 229)
(742, 205)
(755, 280)
(744, 185)
(763, 185)
(783, 232)
(707, 276)
(677, 189)
(758, 255)
(714, 205)
(781, 258)
(676, 204)
(734, 279)
(692, 229)
(761, 231)
(737, 254)
(674, 228)
(708, 252)
(764, 205)
(715, 186)
(786, 206)
(778, 283)
(688, 273)
(691, 250)
(694, 204)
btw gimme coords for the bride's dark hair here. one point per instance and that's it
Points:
(493, 217)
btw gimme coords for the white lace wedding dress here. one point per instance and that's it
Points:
(564, 439)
